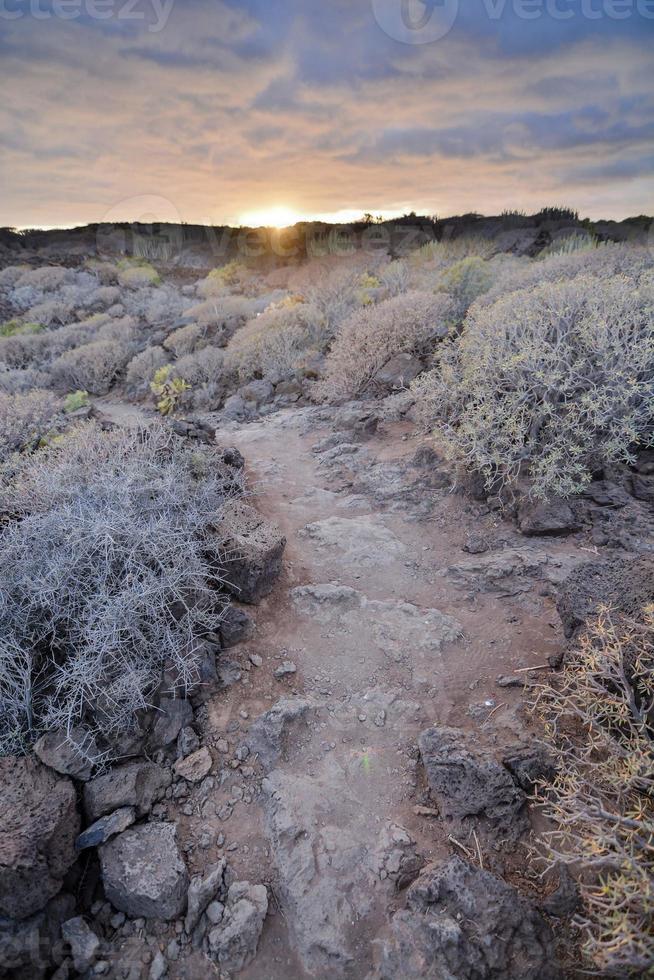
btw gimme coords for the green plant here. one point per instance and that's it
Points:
(599, 724)
(167, 389)
(76, 400)
(464, 281)
(553, 383)
(13, 328)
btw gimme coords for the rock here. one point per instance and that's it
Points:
(232, 457)
(399, 371)
(475, 544)
(396, 856)
(564, 900)
(72, 754)
(256, 660)
(233, 943)
(172, 715)
(624, 584)
(215, 912)
(287, 668)
(106, 827)
(143, 872)
(235, 409)
(462, 923)
(471, 784)
(198, 429)
(195, 767)
(251, 551)
(260, 392)
(137, 784)
(38, 826)
(554, 517)
(268, 732)
(528, 765)
(83, 942)
(158, 967)
(508, 680)
(642, 487)
(187, 742)
(29, 947)
(229, 672)
(235, 625)
(511, 568)
(606, 494)
(201, 892)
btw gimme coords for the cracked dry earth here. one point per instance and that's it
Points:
(391, 627)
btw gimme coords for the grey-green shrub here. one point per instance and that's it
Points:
(550, 383)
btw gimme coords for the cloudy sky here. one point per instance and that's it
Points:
(215, 111)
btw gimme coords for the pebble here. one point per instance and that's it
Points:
(362, 716)
(223, 746)
(256, 660)
(243, 713)
(286, 669)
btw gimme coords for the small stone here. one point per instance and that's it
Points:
(106, 827)
(256, 660)
(380, 719)
(362, 716)
(215, 912)
(243, 713)
(195, 766)
(117, 920)
(223, 746)
(158, 967)
(285, 670)
(511, 681)
(425, 811)
(83, 942)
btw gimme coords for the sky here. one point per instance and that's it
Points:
(210, 111)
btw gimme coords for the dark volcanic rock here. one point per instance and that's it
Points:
(529, 764)
(137, 784)
(624, 584)
(461, 923)
(468, 783)
(143, 872)
(38, 826)
(554, 517)
(252, 551)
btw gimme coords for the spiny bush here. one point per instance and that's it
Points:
(10, 274)
(45, 278)
(577, 241)
(108, 576)
(409, 323)
(141, 369)
(16, 380)
(219, 281)
(449, 250)
(330, 287)
(216, 313)
(14, 328)
(187, 339)
(599, 724)
(395, 277)
(464, 282)
(25, 418)
(93, 367)
(275, 343)
(208, 378)
(552, 383)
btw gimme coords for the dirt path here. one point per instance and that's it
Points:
(385, 642)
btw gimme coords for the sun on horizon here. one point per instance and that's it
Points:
(277, 216)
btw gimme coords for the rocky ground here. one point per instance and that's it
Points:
(349, 799)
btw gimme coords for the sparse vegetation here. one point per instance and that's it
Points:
(168, 390)
(104, 579)
(598, 722)
(551, 383)
(25, 418)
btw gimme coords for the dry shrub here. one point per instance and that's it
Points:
(464, 282)
(395, 277)
(332, 287)
(46, 278)
(10, 275)
(276, 342)
(26, 418)
(599, 722)
(450, 250)
(215, 313)
(105, 578)
(409, 323)
(16, 380)
(554, 382)
(187, 339)
(92, 367)
(137, 275)
(141, 369)
(206, 373)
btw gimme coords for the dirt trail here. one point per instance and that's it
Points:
(391, 627)
(385, 643)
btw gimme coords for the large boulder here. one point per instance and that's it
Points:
(251, 551)
(462, 923)
(38, 826)
(554, 517)
(137, 784)
(468, 783)
(143, 872)
(233, 942)
(624, 584)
